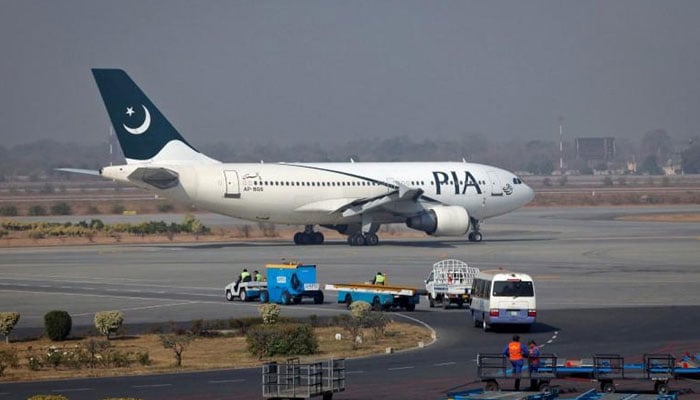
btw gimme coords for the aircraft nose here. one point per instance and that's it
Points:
(528, 194)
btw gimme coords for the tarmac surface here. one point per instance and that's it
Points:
(603, 286)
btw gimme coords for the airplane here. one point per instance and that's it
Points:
(352, 198)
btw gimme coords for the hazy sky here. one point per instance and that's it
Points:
(330, 71)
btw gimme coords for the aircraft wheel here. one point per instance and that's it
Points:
(477, 237)
(298, 238)
(317, 238)
(371, 239)
(229, 295)
(357, 240)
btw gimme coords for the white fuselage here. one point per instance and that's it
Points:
(310, 193)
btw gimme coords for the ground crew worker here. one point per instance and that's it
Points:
(257, 276)
(378, 279)
(533, 362)
(243, 277)
(516, 352)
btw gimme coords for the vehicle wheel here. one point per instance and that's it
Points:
(431, 301)
(348, 300)
(296, 300)
(476, 321)
(317, 238)
(264, 296)
(229, 295)
(607, 387)
(460, 304)
(298, 238)
(491, 386)
(243, 295)
(286, 298)
(545, 388)
(445, 302)
(318, 298)
(376, 305)
(410, 307)
(661, 387)
(371, 239)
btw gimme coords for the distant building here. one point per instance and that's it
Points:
(595, 149)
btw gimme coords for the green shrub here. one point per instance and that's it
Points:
(61, 208)
(108, 322)
(269, 312)
(8, 359)
(36, 210)
(57, 325)
(8, 320)
(8, 211)
(282, 340)
(48, 397)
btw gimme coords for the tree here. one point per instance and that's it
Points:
(107, 322)
(650, 166)
(8, 320)
(691, 159)
(177, 343)
(657, 143)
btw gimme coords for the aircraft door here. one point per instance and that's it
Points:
(496, 187)
(233, 190)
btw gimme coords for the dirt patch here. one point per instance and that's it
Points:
(201, 354)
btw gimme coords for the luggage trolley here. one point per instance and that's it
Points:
(492, 367)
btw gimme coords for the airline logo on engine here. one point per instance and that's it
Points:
(452, 180)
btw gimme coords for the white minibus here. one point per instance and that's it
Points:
(502, 297)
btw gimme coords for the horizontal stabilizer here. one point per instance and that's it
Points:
(79, 171)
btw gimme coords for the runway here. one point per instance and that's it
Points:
(602, 286)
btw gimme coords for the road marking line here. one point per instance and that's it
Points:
(71, 390)
(399, 368)
(445, 364)
(227, 381)
(354, 372)
(151, 386)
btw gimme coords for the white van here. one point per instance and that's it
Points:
(503, 297)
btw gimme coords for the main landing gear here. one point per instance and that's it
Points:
(360, 239)
(308, 236)
(475, 235)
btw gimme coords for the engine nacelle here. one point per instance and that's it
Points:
(441, 221)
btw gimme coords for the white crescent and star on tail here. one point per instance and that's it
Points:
(141, 128)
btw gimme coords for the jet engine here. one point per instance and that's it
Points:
(441, 221)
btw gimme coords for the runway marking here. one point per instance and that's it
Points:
(151, 386)
(444, 364)
(71, 390)
(399, 368)
(227, 381)
(354, 372)
(552, 339)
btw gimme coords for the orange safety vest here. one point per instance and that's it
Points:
(515, 353)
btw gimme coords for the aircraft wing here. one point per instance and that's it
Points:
(350, 207)
(80, 171)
